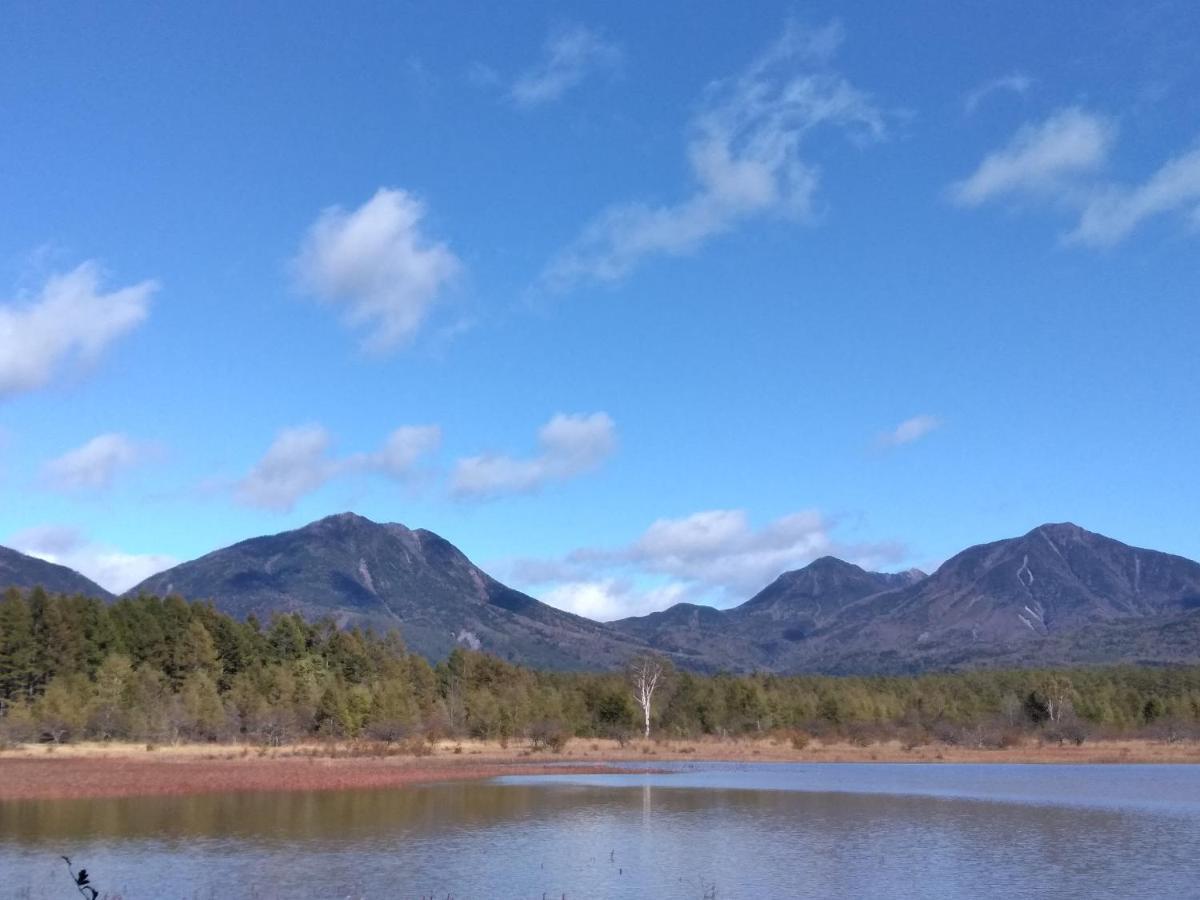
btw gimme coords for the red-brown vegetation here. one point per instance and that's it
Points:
(64, 775)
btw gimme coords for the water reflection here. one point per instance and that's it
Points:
(597, 839)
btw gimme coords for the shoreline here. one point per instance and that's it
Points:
(112, 771)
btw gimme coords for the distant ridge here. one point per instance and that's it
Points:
(364, 573)
(22, 571)
(1057, 595)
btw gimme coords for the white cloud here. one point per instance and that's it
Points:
(720, 549)
(96, 464)
(1115, 211)
(376, 262)
(296, 464)
(607, 599)
(1015, 82)
(570, 55)
(570, 445)
(909, 430)
(112, 569)
(403, 449)
(1059, 163)
(69, 321)
(299, 462)
(744, 152)
(1040, 159)
(710, 556)
(44, 541)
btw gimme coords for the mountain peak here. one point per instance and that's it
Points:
(829, 564)
(360, 572)
(341, 519)
(826, 581)
(1062, 531)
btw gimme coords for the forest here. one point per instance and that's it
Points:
(163, 669)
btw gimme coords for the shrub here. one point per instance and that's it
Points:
(1076, 732)
(548, 734)
(1010, 737)
(913, 737)
(947, 733)
(860, 734)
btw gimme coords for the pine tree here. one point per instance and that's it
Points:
(108, 715)
(203, 713)
(393, 711)
(332, 715)
(63, 708)
(286, 638)
(18, 651)
(194, 652)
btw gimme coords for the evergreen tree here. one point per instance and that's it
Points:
(194, 652)
(108, 716)
(18, 650)
(203, 712)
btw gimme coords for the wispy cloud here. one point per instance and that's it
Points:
(719, 548)
(908, 431)
(481, 75)
(378, 265)
(69, 321)
(709, 556)
(745, 155)
(1044, 159)
(1060, 163)
(402, 450)
(95, 465)
(300, 461)
(1015, 83)
(570, 446)
(111, 568)
(296, 464)
(569, 56)
(1114, 211)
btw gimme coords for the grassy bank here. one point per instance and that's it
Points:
(125, 770)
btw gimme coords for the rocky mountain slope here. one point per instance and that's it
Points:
(21, 571)
(1052, 596)
(363, 573)
(763, 631)
(1058, 595)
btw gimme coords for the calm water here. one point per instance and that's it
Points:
(759, 831)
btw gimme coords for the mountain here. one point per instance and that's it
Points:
(1030, 598)
(1056, 595)
(364, 573)
(19, 570)
(763, 632)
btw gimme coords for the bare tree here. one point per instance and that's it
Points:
(646, 673)
(1057, 691)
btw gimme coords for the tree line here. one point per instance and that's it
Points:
(163, 669)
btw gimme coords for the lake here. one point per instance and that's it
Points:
(703, 830)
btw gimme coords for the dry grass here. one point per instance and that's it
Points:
(786, 749)
(29, 773)
(117, 770)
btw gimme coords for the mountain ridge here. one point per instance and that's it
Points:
(382, 575)
(20, 570)
(1024, 600)
(1058, 594)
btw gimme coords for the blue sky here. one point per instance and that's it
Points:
(633, 303)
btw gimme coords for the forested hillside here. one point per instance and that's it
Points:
(151, 669)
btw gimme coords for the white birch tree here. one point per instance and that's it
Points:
(646, 673)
